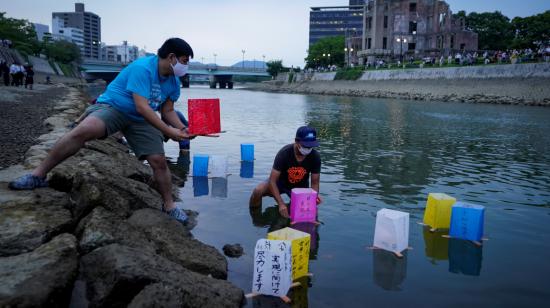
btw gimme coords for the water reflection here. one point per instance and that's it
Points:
(313, 231)
(181, 167)
(437, 247)
(271, 219)
(219, 187)
(298, 296)
(247, 169)
(200, 186)
(465, 257)
(389, 271)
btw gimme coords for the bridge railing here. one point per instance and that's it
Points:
(213, 67)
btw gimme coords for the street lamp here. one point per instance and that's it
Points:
(346, 55)
(329, 61)
(401, 41)
(215, 55)
(243, 51)
(263, 56)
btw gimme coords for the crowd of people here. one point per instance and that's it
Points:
(464, 58)
(17, 75)
(6, 43)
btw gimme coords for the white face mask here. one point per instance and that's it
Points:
(305, 151)
(179, 69)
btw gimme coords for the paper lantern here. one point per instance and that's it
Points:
(391, 232)
(204, 116)
(438, 210)
(303, 205)
(218, 166)
(437, 247)
(467, 221)
(200, 186)
(219, 187)
(389, 272)
(247, 152)
(272, 267)
(200, 165)
(300, 249)
(464, 257)
(247, 169)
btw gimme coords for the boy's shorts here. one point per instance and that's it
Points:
(143, 138)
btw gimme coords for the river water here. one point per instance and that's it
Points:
(383, 153)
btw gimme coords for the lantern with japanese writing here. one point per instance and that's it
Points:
(391, 232)
(467, 221)
(303, 205)
(204, 116)
(438, 210)
(272, 267)
(300, 249)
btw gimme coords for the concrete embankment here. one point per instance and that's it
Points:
(97, 237)
(525, 84)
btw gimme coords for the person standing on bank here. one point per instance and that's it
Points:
(292, 168)
(129, 104)
(29, 77)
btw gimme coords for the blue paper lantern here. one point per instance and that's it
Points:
(200, 186)
(200, 165)
(247, 152)
(467, 221)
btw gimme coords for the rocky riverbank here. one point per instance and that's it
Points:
(513, 91)
(97, 237)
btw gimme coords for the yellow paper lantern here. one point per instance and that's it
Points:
(438, 210)
(300, 249)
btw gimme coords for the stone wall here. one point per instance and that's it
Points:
(97, 237)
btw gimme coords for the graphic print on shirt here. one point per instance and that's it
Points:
(296, 174)
(155, 97)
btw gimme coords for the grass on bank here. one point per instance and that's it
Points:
(349, 74)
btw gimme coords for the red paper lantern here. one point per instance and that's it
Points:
(204, 116)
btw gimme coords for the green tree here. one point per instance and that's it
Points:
(62, 51)
(318, 53)
(494, 29)
(274, 67)
(532, 31)
(20, 32)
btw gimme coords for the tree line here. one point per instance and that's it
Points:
(23, 37)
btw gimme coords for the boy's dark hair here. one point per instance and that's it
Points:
(176, 46)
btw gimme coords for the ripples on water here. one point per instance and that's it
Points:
(390, 153)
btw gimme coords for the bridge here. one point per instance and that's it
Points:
(221, 76)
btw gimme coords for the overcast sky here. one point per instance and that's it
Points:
(277, 29)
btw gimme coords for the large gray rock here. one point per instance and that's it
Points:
(113, 192)
(153, 231)
(172, 240)
(115, 274)
(42, 278)
(30, 218)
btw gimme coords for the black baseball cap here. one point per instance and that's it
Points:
(307, 137)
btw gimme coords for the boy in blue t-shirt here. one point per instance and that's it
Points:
(129, 104)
